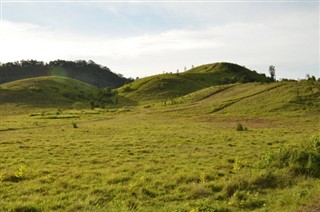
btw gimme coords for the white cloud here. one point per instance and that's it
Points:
(21, 40)
(289, 41)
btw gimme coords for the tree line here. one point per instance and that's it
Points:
(86, 71)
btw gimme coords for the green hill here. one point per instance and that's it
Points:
(47, 91)
(167, 86)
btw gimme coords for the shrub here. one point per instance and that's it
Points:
(59, 111)
(74, 124)
(232, 187)
(240, 127)
(304, 160)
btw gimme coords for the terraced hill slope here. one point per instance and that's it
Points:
(167, 86)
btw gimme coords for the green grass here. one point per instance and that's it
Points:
(185, 155)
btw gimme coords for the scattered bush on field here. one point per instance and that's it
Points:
(304, 160)
(240, 127)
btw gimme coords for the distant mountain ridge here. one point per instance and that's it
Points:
(85, 71)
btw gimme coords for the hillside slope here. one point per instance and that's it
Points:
(255, 99)
(167, 86)
(88, 72)
(47, 91)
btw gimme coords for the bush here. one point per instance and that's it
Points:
(74, 124)
(240, 127)
(232, 187)
(304, 160)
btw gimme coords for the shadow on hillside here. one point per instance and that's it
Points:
(45, 100)
(124, 101)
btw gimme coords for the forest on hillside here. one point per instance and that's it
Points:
(85, 71)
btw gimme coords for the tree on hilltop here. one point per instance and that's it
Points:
(272, 72)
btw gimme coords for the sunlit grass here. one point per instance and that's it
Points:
(156, 157)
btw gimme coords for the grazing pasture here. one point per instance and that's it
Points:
(189, 154)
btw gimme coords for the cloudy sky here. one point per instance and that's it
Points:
(139, 38)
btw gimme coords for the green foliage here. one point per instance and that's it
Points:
(304, 160)
(240, 127)
(272, 72)
(21, 172)
(74, 125)
(85, 71)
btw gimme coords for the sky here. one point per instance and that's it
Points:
(143, 38)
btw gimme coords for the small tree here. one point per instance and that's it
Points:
(272, 72)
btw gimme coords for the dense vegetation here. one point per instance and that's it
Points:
(88, 72)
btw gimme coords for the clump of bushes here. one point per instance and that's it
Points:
(304, 160)
(240, 127)
(74, 124)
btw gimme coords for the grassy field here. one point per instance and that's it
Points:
(238, 147)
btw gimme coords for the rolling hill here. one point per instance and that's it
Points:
(167, 86)
(47, 91)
